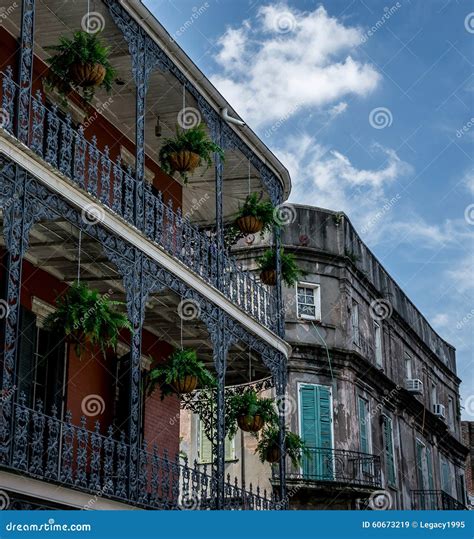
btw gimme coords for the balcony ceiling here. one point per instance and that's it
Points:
(53, 247)
(164, 99)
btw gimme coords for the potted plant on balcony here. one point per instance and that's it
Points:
(81, 61)
(268, 447)
(83, 315)
(290, 272)
(181, 373)
(255, 215)
(250, 412)
(189, 149)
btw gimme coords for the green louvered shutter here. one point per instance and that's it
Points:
(316, 430)
(388, 447)
(205, 447)
(363, 431)
(445, 482)
(429, 465)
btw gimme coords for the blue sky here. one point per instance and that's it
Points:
(370, 106)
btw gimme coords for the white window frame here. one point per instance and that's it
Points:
(355, 326)
(451, 413)
(378, 346)
(408, 366)
(316, 288)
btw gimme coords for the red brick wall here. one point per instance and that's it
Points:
(467, 431)
(92, 374)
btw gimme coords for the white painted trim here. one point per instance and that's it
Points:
(316, 287)
(41, 309)
(48, 492)
(57, 182)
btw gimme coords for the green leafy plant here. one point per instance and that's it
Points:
(290, 271)
(84, 315)
(261, 210)
(181, 363)
(249, 403)
(82, 48)
(269, 440)
(194, 140)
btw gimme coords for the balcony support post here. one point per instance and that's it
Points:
(281, 381)
(25, 72)
(279, 297)
(219, 169)
(221, 340)
(16, 240)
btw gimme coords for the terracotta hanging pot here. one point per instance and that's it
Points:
(273, 454)
(184, 161)
(250, 423)
(187, 384)
(86, 75)
(268, 277)
(249, 224)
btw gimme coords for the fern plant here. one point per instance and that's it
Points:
(194, 140)
(84, 315)
(82, 48)
(249, 403)
(181, 363)
(261, 210)
(290, 272)
(269, 440)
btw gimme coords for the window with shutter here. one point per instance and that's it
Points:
(363, 427)
(316, 431)
(445, 479)
(205, 447)
(429, 466)
(389, 451)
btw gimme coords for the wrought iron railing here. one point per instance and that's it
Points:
(59, 451)
(349, 468)
(436, 500)
(53, 138)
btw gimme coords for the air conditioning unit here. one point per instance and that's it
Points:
(439, 410)
(414, 386)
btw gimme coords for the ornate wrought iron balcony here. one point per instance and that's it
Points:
(436, 500)
(58, 451)
(334, 467)
(53, 138)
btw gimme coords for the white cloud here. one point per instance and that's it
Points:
(287, 58)
(327, 178)
(468, 181)
(463, 274)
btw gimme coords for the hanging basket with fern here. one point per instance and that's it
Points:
(255, 215)
(250, 412)
(290, 272)
(84, 316)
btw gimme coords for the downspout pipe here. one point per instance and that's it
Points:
(225, 116)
